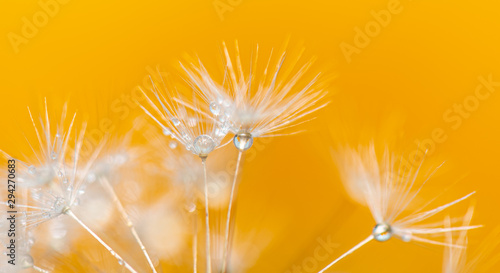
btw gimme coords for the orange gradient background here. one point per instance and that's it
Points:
(399, 86)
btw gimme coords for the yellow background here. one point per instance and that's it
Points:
(427, 58)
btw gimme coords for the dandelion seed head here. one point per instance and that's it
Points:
(186, 122)
(388, 187)
(56, 180)
(259, 102)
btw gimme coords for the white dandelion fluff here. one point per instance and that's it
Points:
(253, 104)
(454, 257)
(461, 260)
(49, 150)
(187, 123)
(183, 121)
(388, 188)
(61, 193)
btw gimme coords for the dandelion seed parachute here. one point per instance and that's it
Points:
(253, 104)
(61, 193)
(387, 188)
(184, 121)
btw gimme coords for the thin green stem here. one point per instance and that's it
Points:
(41, 270)
(228, 218)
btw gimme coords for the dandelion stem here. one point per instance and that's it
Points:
(195, 243)
(207, 217)
(38, 269)
(228, 218)
(125, 216)
(350, 251)
(111, 251)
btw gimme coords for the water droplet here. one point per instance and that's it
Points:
(70, 188)
(191, 207)
(203, 145)
(176, 121)
(120, 262)
(243, 141)
(186, 137)
(219, 132)
(65, 181)
(382, 232)
(32, 169)
(406, 237)
(222, 118)
(214, 108)
(58, 135)
(167, 131)
(27, 261)
(172, 144)
(53, 155)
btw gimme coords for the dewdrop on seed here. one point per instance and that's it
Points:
(243, 141)
(214, 108)
(26, 261)
(382, 232)
(203, 145)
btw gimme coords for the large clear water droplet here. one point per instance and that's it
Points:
(382, 232)
(214, 108)
(203, 145)
(243, 141)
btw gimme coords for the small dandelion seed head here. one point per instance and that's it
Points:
(187, 123)
(387, 188)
